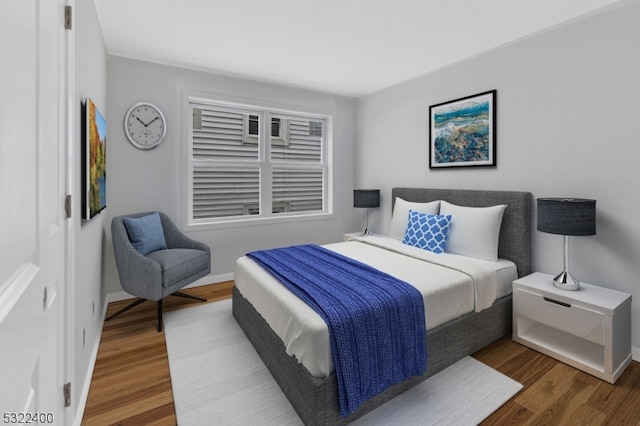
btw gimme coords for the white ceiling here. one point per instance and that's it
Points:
(346, 47)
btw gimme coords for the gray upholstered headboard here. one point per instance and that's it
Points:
(515, 233)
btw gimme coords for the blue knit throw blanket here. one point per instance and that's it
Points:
(376, 322)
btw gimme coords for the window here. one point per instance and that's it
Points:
(248, 163)
(251, 129)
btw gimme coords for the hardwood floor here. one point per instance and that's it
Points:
(131, 384)
(557, 394)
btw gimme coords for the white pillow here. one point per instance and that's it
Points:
(474, 231)
(400, 215)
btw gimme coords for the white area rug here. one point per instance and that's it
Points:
(218, 378)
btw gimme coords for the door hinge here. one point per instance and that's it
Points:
(67, 205)
(67, 17)
(66, 390)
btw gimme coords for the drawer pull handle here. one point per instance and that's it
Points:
(566, 305)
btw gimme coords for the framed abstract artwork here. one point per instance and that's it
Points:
(462, 132)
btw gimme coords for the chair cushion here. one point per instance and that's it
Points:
(178, 264)
(145, 233)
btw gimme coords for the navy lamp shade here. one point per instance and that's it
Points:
(568, 217)
(366, 198)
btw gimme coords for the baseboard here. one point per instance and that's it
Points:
(84, 391)
(209, 279)
(635, 353)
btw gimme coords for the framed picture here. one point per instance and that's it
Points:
(94, 166)
(462, 132)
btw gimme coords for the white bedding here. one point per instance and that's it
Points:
(451, 285)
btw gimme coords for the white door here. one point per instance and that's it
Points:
(32, 219)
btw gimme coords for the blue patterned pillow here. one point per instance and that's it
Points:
(427, 231)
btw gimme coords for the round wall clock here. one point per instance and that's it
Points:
(144, 125)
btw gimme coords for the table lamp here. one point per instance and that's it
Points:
(366, 198)
(567, 216)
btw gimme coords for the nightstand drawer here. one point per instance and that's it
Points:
(570, 318)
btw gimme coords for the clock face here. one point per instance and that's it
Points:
(144, 126)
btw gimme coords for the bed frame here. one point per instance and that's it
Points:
(315, 399)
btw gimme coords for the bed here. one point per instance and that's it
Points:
(312, 388)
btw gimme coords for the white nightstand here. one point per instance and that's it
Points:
(589, 329)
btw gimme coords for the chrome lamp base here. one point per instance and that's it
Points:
(366, 231)
(566, 281)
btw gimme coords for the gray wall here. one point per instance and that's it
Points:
(90, 81)
(155, 179)
(568, 113)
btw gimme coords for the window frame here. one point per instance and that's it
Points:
(264, 163)
(283, 131)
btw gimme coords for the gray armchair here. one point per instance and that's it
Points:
(155, 259)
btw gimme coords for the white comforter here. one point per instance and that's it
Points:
(451, 286)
